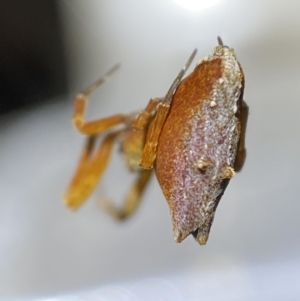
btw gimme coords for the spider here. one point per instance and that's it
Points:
(194, 139)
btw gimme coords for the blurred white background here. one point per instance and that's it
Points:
(254, 248)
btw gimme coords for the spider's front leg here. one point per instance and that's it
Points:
(95, 126)
(163, 107)
(92, 165)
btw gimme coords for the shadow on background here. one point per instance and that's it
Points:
(32, 61)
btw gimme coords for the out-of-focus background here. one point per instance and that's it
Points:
(52, 49)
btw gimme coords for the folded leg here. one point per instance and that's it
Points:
(89, 170)
(95, 126)
(149, 152)
(132, 199)
(241, 155)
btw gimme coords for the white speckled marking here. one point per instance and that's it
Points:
(212, 104)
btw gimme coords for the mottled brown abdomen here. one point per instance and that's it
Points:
(198, 143)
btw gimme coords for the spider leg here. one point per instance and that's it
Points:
(132, 199)
(89, 170)
(241, 154)
(95, 126)
(163, 107)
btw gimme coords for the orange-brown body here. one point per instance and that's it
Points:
(193, 138)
